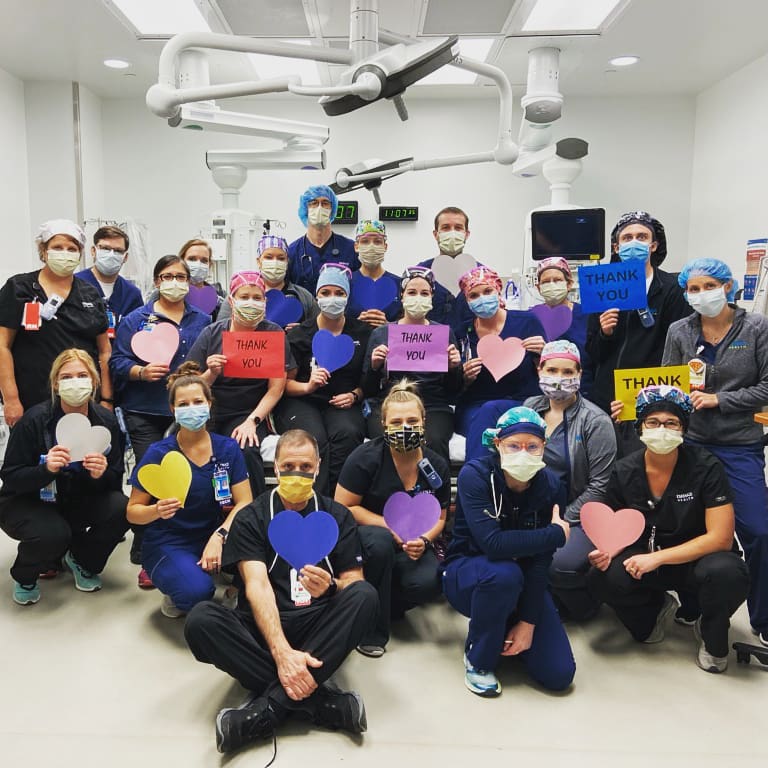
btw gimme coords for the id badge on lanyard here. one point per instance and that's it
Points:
(30, 318)
(299, 594)
(111, 321)
(48, 492)
(221, 490)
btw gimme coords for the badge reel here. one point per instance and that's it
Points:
(697, 372)
(299, 594)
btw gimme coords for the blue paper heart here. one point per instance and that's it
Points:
(374, 294)
(302, 540)
(332, 352)
(282, 309)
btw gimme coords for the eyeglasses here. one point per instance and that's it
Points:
(317, 202)
(535, 449)
(673, 424)
(181, 277)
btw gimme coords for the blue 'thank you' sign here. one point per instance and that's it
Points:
(612, 286)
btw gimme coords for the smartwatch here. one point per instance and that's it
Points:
(223, 532)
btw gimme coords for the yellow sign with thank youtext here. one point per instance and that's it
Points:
(629, 381)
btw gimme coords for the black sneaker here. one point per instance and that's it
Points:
(340, 710)
(237, 727)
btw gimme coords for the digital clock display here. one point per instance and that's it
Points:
(398, 213)
(346, 212)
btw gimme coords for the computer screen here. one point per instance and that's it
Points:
(577, 234)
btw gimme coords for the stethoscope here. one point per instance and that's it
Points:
(335, 252)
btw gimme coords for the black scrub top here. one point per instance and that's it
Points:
(80, 318)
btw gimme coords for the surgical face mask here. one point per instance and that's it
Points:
(708, 303)
(371, 254)
(559, 387)
(417, 307)
(332, 306)
(173, 290)
(405, 438)
(295, 487)
(108, 262)
(554, 292)
(319, 216)
(451, 242)
(634, 250)
(62, 263)
(661, 440)
(249, 311)
(273, 270)
(75, 391)
(521, 466)
(198, 271)
(192, 417)
(485, 306)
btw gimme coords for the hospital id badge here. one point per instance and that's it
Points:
(221, 489)
(299, 594)
(111, 327)
(48, 492)
(30, 318)
(697, 370)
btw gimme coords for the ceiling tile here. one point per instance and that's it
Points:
(445, 17)
(265, 18)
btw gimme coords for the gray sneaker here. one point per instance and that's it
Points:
(667, 609)
(706, 660)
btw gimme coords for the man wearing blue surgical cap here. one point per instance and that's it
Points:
(320, 244)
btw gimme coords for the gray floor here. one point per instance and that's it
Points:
(96, 680)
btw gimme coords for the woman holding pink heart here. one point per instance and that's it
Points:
(688, 543)
(59, 503)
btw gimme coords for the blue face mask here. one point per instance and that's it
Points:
(192, 417)
(485, 306)
(634, 250)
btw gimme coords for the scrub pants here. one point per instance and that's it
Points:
(329, 631)
(89, 528)
(568, 577)
(251, 454)
(401, 583)
(338, 432)
(473, 418)
(720, 582)
(173, 568)
(745, 467)
(487, 591)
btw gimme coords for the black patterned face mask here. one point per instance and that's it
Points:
(405, 438)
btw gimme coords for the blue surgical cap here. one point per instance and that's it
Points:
(516, 420)
(312, 193)
(711, 268)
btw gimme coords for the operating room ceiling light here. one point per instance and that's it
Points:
(162, 17)
(476, 48)
(117, 63)
(569, 15)
(624, 61)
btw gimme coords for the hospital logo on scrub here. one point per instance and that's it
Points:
(738, 344)
(683, 497)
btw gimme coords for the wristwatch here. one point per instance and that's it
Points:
(223, 532)
(333, 587)
(256, 420)
(427, 542)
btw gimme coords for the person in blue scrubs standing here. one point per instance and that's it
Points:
(320, 244)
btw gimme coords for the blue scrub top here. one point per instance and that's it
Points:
(305, 259)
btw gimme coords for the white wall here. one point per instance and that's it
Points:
(14, 191)
(158, 174)
(92, 154)
(729, 203)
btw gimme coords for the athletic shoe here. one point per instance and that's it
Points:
(704, 659)
(135, 552)
(371, 651)
(340, 710)
(762, 635)
(480, 681)
(237, 727)
(25, 595)
(169, 609)
(669, 606)
(685, 620)
(144, 581)
(85, 581)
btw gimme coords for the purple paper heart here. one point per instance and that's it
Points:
(332, 352)
(203, 297)
(411, 516)
(374, 294)
(555, 320)
(282, 309)
(303, 540)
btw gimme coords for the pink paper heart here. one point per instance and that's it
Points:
(611, 531)
(500, 356)
(156, 343)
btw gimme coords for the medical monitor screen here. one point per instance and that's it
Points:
(576, 235)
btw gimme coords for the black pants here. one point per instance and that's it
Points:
(338, 432)
(251, 454)
(89, 528)
(438, 429)
(402, 583)
(231, 641)
(720, 581)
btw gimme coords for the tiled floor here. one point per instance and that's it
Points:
(105, 681)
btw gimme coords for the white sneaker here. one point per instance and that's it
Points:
(481, 682)
(167, 608)
(667, 609)
(706, 660)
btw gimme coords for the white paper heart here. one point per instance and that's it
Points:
(448, 269)
(75, 432)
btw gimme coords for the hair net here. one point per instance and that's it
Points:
(312, 193)
(515, 421)
(370, 226)
(246, 277)
(561, 349)
(480, 276)
(271, 241)
(60, 227)
(711, 268)
(663, 398)
(334, 274)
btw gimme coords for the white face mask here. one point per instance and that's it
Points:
(173, 290)
(62, 263)
(417, 307)
(451, 242)
(371, 254)
(108, 262)
(75, 391)
(332, 306)
(708, 303)
(198, 271)
(661, 440)
(319, 216)
(554, 292)
(273, 270)
(521, 466)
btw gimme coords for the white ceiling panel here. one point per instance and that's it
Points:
(265, 18)
(446, 17)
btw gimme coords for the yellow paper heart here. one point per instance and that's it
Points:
(168, 480)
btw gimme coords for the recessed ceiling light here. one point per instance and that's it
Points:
(624, 61)
(569, 16)
(117, 63)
